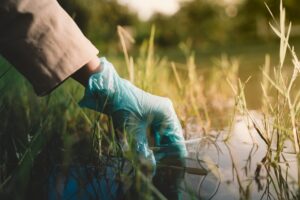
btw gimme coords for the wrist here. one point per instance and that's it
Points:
(83, 74)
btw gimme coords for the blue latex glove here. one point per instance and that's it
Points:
(134, 110)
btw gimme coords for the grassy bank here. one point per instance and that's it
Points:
(39, 133)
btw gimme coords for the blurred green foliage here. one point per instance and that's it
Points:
(210, 24)
(98, 19)
(206, 23)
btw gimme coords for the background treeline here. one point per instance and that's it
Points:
(206, 23)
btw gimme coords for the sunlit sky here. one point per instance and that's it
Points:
(145, 8)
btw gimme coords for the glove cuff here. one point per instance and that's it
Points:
(101, 89)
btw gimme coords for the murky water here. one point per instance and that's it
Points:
(239, 168)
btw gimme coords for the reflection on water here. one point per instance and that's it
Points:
(169, 180)
(240, 168)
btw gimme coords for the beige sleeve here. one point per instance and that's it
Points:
(42, 41)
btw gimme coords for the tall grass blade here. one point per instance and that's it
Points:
(178, 81)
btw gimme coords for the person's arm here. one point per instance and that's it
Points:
(43, 43)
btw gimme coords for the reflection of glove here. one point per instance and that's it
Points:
(133, 110)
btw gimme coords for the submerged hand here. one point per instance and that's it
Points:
(133, 111)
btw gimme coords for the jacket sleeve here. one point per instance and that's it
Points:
(42, 41)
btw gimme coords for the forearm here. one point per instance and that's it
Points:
(43, 42)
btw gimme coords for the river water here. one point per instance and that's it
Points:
(240, 168)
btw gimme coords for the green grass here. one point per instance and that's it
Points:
(37, 133)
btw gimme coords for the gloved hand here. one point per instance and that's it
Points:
(134, 110)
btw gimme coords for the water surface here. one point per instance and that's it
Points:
(240, 168)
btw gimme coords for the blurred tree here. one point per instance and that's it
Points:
(98, 19)
(254, 16)
(209, 23)
(203, 22)
(206, 22)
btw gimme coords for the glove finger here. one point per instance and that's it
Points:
(135, 131)
(167, 129)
